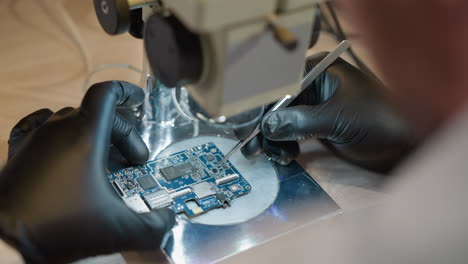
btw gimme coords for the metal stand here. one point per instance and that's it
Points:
(282, 198)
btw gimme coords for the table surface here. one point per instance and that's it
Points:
(41, 66)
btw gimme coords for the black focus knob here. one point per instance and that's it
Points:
(113, 15)
(174, 52)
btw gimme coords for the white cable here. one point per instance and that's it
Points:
(186, 114)
(105, 67)
(71, 29)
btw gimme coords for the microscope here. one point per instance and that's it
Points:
(211, 67)
(232, 56)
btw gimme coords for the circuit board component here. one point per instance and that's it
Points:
(136, 203)
(174, 172)
(203, 190)
(147, 182)
(189, 182)
(158, 199)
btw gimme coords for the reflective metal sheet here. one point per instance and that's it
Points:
(300, 201)
(283, 197)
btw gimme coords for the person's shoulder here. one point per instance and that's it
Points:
(9, 255)
(445, 151)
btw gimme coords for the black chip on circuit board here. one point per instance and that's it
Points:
(147, 182)
(174, 172)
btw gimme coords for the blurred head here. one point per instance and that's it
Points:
(421, 48)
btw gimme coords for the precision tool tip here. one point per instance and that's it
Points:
(221, 162)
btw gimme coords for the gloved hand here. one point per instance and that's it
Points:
(345, 109)
(56, 204)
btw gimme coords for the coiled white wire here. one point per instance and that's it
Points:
(65, 21)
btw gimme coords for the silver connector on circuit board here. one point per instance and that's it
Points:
(227, 179)
(180, 193)
(158, 199)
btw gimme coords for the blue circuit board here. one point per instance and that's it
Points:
(189, 182)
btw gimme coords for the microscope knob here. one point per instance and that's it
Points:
(113, 15)
(174, 52)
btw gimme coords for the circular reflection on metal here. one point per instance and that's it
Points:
(260, 173)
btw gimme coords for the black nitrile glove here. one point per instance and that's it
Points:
(345, 109)
(56, 204)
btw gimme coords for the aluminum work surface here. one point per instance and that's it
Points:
(352, 189)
